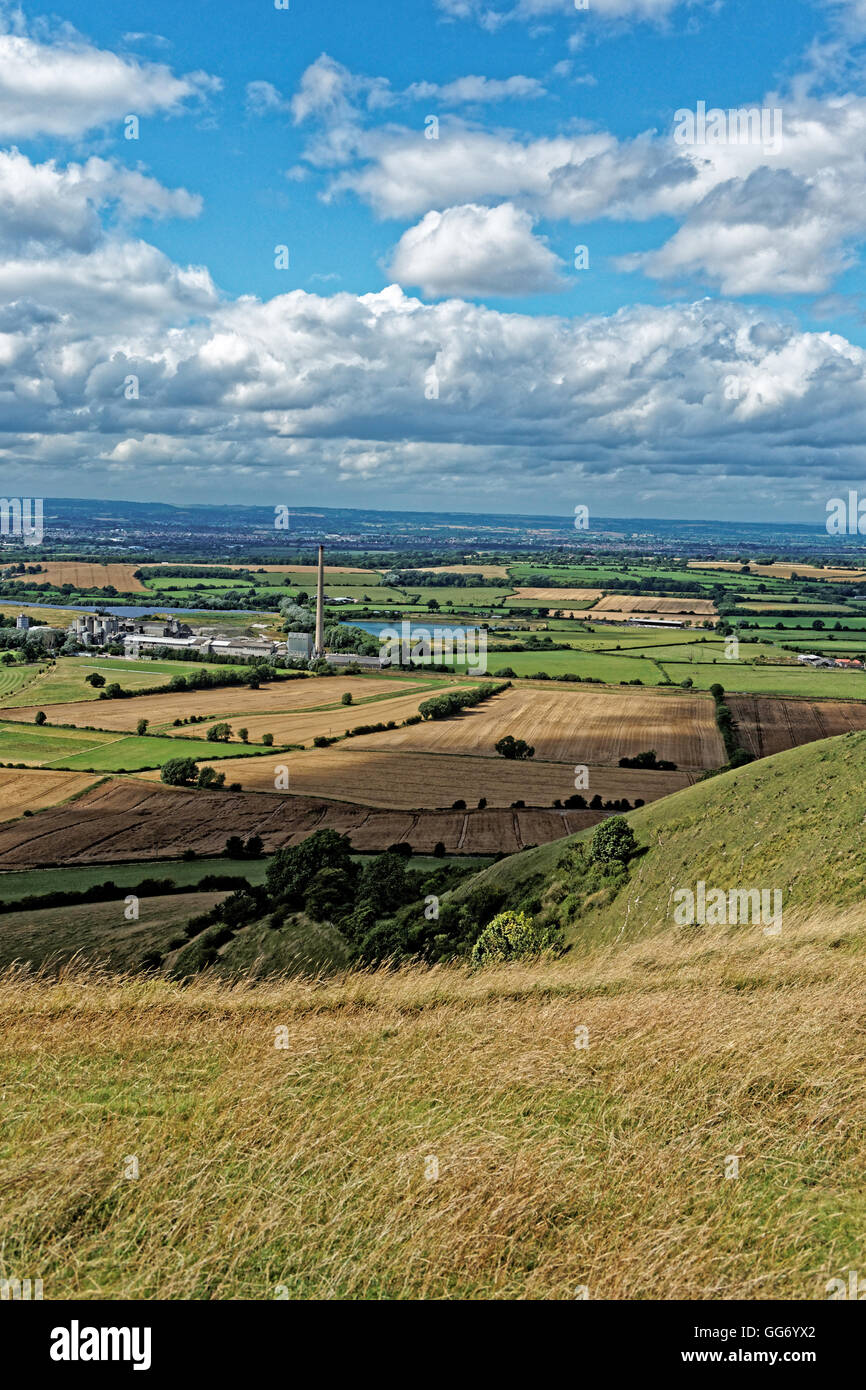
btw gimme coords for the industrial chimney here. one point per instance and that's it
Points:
(320, 605)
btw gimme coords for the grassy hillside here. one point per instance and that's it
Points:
(793, 821)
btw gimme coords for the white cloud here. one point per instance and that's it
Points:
(53, 207)
(477, 90)
(474, 250)
(67, 86)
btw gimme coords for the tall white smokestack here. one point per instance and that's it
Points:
(320, 605)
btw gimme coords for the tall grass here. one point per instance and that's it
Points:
(307, 1170)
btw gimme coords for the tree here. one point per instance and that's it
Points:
(234, 847)
(718, 692)
(329, 895)
(291, 871)
(96, 680)
(254, 846)
(244, 735)
(439, 850)
(209, 777)
(613, 842)
(219, 733)
(141, 726)
(514, 748)
(512, 936)
(179, 772)
(346, 697)
(41, 718)
(113, 691)
(268, 740)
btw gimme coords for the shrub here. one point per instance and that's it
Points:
(514, 748)
(613, 842)
(512, 936)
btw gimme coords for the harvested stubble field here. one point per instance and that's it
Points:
(557, 596)
(770, 726)
(86, 575)
(400, 780)
(649, 603)
(593, 727)
(783, 571)
(33, 789)
(300, 726)
(305, 1167)
(126, 819)
(281, 696)
(486, 571)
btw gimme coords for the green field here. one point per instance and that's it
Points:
(184, 873)
(83, 750)
(66, 680)
(737, 677)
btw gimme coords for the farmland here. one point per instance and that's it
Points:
(279, 696)
(398, 780)
(22, 791)
(97, 750)
(131, 818)
(573, 726)
(89, 575)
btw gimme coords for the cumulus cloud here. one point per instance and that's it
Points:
(52, 207)
(67, 86)
(474, 250)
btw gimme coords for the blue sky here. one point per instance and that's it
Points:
(432, 343)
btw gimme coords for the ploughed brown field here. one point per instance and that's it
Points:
(34, 789)
(407, 781)
(618, 608)
(85, 575)
(127, 819)
(228, 701)
(768, 725)
(301, 726)
(573, 726)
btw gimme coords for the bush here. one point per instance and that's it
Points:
(613, 842)
(512, 936)
(514, 748)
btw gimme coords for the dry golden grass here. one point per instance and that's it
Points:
(90, 575)
(33, 789)
(367, 776)
(309, 1170)
(279, 696)
(573, 726)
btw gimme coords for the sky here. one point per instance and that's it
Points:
(480, 255)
